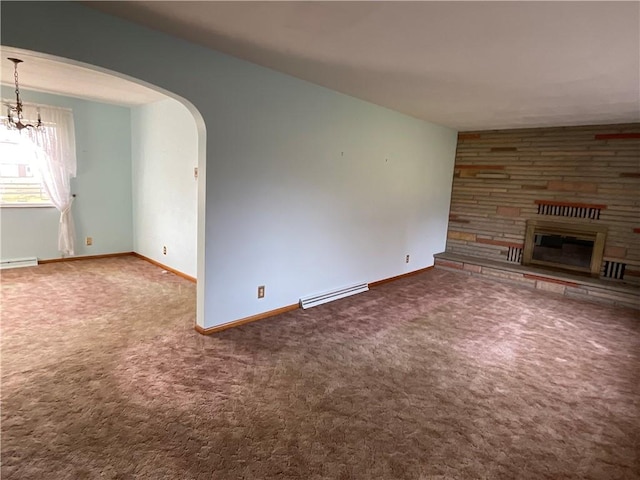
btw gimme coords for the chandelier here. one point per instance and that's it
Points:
(14, 113)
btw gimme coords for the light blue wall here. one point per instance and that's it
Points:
(102, 208)
(306, 189)
(164, 152)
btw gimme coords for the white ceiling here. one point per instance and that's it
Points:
(467, 65)
(44, 74)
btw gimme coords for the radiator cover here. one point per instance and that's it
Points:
(18, 262)
(320, 298)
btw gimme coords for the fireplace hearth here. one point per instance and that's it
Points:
(574, 247)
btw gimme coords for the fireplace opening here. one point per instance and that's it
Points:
(572, 247)
(563, 249)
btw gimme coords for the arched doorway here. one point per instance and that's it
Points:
(141, 173)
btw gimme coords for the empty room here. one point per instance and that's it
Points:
(320, 240)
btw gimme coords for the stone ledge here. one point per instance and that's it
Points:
(570, 285)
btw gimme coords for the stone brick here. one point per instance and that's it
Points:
(578, 291)
(466, 236)
(550, 280)
(479, 167)
(558, 203)
(499, 243)
(472, 268)
(578, 187)
(449, 264)
(456, 219)
(551, 166)
(534, 187)
(616, 136)
(615, 252)
(616, 297)
(468, 136)
(508, 211)
(550, 287)
(492, 272)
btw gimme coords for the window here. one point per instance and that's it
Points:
(20, 182)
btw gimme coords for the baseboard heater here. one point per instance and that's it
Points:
(18, 262)
(319, 299)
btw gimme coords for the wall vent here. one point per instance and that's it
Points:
(18, 262)
(313, 300)
(613, 270)
(514, 255)
(573, 211)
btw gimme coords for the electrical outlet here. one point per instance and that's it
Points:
(261, 291)
(164, 250)
(88, 241)
(406, 259)
(195, 172)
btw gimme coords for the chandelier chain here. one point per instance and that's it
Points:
(18, 100)
(14, 114)
(15, 77)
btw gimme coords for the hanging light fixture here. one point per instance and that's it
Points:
(14, 113)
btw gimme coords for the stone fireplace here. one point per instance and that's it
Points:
(565, 246)
(561, 198)
(554, 209)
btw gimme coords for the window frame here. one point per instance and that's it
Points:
(29, 163)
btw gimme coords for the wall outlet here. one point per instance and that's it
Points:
(88, 241)
(261, 291)
(406, 260)
(195, 172)
(164, 250)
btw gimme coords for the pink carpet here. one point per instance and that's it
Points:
(436, 376)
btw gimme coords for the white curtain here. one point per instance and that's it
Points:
(56, 141)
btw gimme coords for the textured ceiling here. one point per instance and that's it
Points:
(467, 65)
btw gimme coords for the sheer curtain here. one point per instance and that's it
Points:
(56, 161)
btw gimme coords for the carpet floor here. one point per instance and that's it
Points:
(435, 376)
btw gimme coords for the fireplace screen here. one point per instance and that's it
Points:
(574, 247)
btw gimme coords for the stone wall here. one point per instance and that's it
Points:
(587, 174)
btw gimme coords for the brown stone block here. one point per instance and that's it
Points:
(557, 203)
(455, 219)
(617, 136)
(466, 236)
(449, 264)
(493, 176)
(533, 187)
(575, 291)
(499, 243)
(550, 280)
(508, 211)
(479, 167)
(504, 149)
(615, 252)
(472, 268)
(468, 136)
(576, 153)
(582, 187)
(494, 272)
(550, 287)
